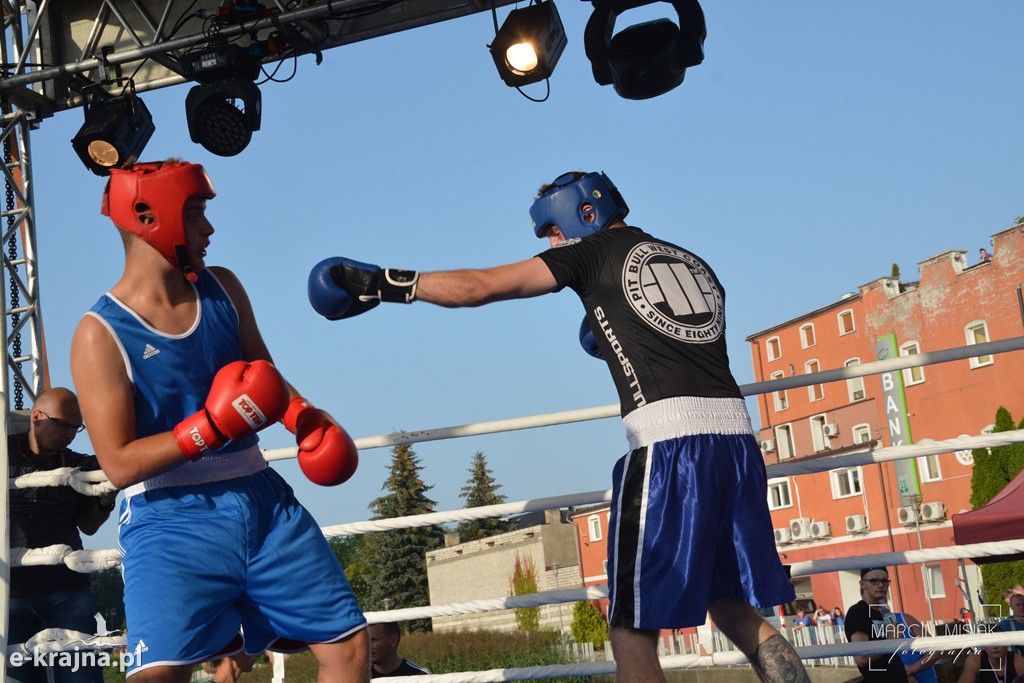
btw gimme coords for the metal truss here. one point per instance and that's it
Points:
(22, 333)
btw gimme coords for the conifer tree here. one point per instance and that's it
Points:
(481, 489)
(395, 561)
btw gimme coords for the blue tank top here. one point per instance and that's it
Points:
(171, 374)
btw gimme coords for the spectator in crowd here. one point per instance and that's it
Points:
(1016, 620)
(822, 617)
(837, 616)
(803, 622)
(51, 596)
(384, 658)
(983, 255)
(993, 664)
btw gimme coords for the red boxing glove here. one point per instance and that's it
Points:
(244, 398)
(327, 454)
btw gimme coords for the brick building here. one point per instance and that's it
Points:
(892, 506)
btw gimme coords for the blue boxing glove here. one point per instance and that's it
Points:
(588, 341)
(342, 288)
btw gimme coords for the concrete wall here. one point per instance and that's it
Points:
(482, 569)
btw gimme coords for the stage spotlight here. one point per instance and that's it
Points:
(224, 110)
(528, 45)
(645, 60)
(115, 131)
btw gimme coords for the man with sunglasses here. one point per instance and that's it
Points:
(690, 530)
(51, 596)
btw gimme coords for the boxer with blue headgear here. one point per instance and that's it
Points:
(580, 204)
(690, 532)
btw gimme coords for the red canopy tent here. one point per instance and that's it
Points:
(1002, 519)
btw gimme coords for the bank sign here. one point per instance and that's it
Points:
(896, 420)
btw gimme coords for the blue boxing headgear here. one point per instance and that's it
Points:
(562, 205)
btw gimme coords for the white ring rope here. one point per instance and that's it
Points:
(467, 514)
(890, 453)
(555, 597)
(82, 561)
(952, 552)
(93, 483)
(65, 640)
(960, 644)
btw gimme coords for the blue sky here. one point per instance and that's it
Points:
(818, 144)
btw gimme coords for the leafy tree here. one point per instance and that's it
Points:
(395, 561)
(349, 551)
(481, 489)
(994, 468)
(108, 595)
(896, 270)
(588, 624)
(523, 581)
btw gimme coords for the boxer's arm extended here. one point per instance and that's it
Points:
(457, 288)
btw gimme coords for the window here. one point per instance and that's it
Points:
(778, 494)
(845, 482)
(594, 527)
(781, 400)
(861, 433)
(784, 441)
(818, 433)
(855, 385)
(977, 333)
(928, 467)
(807, 335)
(815, 392)
(935, 587)
(912, 375)
(774, 348)
(846, 325)
(604, 565)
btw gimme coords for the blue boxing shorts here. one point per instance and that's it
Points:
(203, 560)
(689, 520)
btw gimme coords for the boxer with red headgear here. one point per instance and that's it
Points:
(148, 200)
(175, 380)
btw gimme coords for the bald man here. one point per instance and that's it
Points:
(51, 596)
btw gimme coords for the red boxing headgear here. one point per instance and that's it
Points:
(148, 200)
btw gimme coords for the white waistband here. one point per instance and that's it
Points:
(210, 468)
(686, 416)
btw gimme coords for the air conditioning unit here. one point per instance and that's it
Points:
(782, 537)
(830, 430)
(857, 524)
(907, 514)
(768, 445)
(800, 529)
(933, 512)
(821, 530)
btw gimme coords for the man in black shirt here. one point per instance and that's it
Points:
(690, 531)
(51, 596)
(871, 619)
(384, 658)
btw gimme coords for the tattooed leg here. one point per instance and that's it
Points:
(775, 661)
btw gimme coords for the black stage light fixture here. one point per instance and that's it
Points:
(648, 59)
(115, 131)
(222, 111)
(528, 45)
